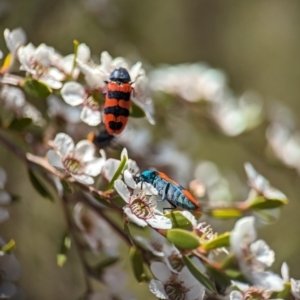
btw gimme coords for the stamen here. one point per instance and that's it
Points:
(73, 165)
(175, 290)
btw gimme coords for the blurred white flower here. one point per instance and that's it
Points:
(254, 256)
(14, 39)
(57, 108)
(285, 144)
(234, 116)
(295, 288)
(261, 185)
(97, 233)
(10, 271)
(78, 161)
(74, 94)
(174, 286)
(191, 82)
(14, 99)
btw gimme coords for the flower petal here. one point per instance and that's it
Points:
(84, 150)
(157, 288)
(73, 93)
(90, 117)
(64, 143)
(128, 178)
(110, 167)
(285, 272)
(85, 179)
(236, 295)
(54, 159)
(94, 167)
(133, 218)
(242, 235)
(14, 39)
(160, 222)
(160, 271)
(122, 190)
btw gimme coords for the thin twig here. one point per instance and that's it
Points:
(86, 268)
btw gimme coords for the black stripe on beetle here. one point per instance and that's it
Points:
(119, 95)
(116, 111)
(115, 125)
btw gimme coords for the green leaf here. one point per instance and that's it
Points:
(226, 213)
(284, 294)
(20, 124)
(136, 111)
(36, 88)
(220, 278)
(105, 263)
(65, 246)
(183, 239)
(136, 260)
(76, 44)
(9, 247)
(235, 275)
(39, 185)
(198, 274)
(178, 219)
(118, 173)
(263, 203)
(67, 186)
(223, 240)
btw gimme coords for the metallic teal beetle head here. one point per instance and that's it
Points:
(148, 176)
(120, 75)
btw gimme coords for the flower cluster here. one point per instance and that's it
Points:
(198, 82)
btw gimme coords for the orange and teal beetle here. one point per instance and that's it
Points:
(117, 101)
(170, 190)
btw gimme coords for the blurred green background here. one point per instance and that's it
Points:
(256, 43)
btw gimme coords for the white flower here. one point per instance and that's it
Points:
(191, 82)
(57, 108)
(14, 39)
(248, 292)
(174, 286)
(235, 116)
(140, 208)
(74, 94)
(262, 186)
(254, 256)
(10, 271)
(78, 161)
(38, 62)
(285, 144)
(97, 233)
